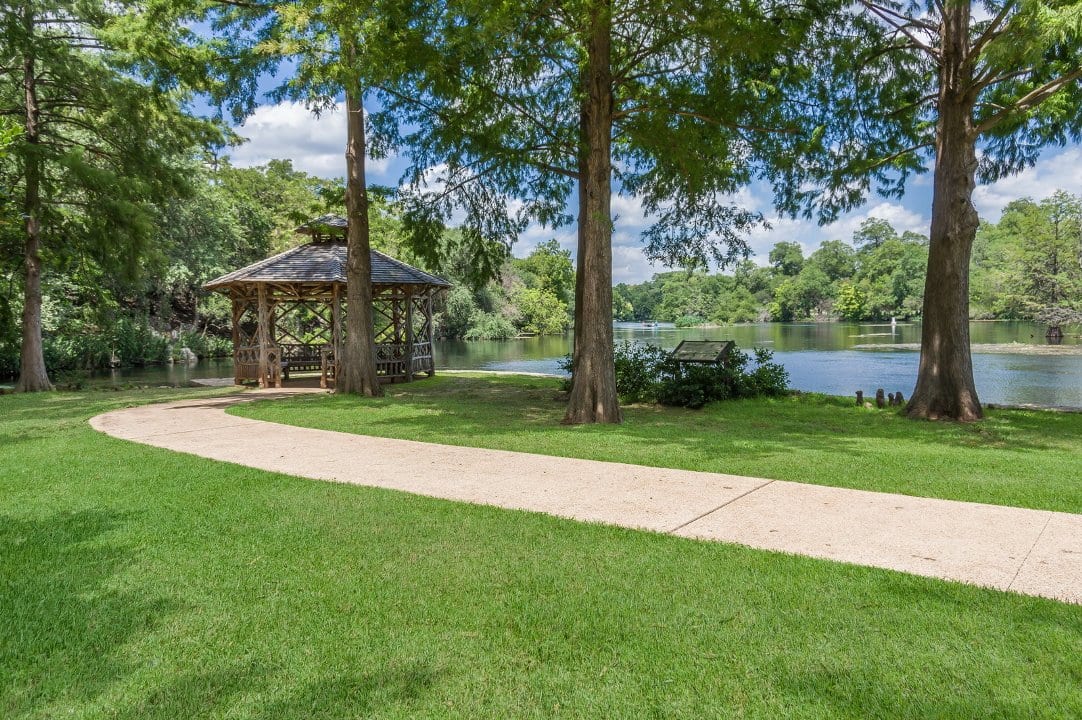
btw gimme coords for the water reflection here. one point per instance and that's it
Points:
(834, 358)
(825, 357)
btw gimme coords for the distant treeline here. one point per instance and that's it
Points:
(1024, 265)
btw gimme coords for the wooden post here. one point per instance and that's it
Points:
(336, 328)
(396, 333)
(431, 334)
(263, 332)
(238, 312)
(409, 333)
(860, 398)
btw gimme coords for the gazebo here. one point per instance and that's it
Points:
(288, 310)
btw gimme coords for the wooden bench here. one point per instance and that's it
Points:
(308, 358)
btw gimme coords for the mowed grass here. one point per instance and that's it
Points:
(140, 583)
(1023, 458)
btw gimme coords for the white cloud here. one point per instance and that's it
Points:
(289, 131)
(629, 265)
(900, 218)
(1061, 171)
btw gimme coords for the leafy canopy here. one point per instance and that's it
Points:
(492, 105)
(875, 88)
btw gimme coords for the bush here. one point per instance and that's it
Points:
(694, 386)
(204, 345)
(638, 370)
(489, 326)
(688, 321)
(459, 307)
(137, 343)
(644, 373)
(768, 377)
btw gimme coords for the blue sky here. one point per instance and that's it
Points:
(289, 131)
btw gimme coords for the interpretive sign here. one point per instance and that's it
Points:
(706, 352)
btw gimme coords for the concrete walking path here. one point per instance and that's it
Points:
(1035, 552)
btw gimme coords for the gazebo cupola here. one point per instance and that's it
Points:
(288, 311)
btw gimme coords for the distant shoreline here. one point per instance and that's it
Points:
(987, 348)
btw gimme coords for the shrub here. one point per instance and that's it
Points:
(638, 370)
(694, 386)
(768, 377)
(137, 343)
(489, 326)
(644, 373)
(688, 321)
(204, 344)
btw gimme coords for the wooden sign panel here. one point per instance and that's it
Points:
(702, 351)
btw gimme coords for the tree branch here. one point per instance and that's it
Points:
(1031, 99)
(992, 31)
(903, 28)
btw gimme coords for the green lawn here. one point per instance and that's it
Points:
(1024, 458)
(139, 583)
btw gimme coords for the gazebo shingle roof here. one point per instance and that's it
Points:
(324, 262)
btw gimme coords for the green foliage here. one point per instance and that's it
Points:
(639, 368)
(1031, 259)
(205, 345)
(541, 312)
(646, 373)
(850, 302)
(801, 296)
(489, 326)
(548, 268)
(891, 277)
(458, 308)
(107, 139)
(884, 279)
(693, 386)
(685, 321)
(671, 116)
(528, 298)
(787, 258)
(873, 93)
(872, 233)
(138, 344)
(835, 259)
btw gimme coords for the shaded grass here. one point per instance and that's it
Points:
(140, 583)
(1022, 458)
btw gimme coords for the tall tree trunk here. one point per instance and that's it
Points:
(593, 390)
(945, 387)
(33, 377)
(357, 368)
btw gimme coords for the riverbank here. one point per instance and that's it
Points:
(1014, 348)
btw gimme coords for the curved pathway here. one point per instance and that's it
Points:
(1035, 552)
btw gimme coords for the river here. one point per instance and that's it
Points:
(836, 358)
(1012, 362)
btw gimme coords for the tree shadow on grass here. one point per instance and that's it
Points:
(259, 690)
(61, 624)
(482, 407)
(356, 695)
(77, 407)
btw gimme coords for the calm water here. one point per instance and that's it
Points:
(820, 357)
(824, 357)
